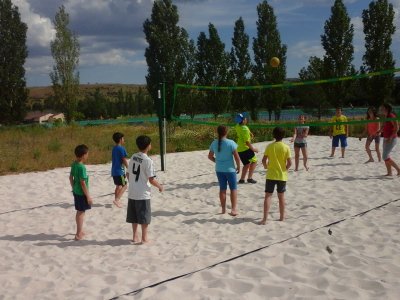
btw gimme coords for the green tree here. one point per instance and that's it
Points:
(337, 42)
(213, 69)
(240, 64)
(65, 77)
(379, 28)
(312, 97)
(95, 105)
(13, 52)
(165, 54)
(186, 101)
(266, 45)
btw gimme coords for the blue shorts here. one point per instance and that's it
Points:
(225, 178)
(343, 141)
(81, 203)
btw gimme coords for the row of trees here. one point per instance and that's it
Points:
(65, 50)
(172, 57)
(98, 105)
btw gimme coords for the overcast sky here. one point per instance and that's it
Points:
(112, 42)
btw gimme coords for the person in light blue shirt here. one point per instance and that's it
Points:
(223, 152)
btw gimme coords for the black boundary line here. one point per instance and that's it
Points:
(46, 205)
(135, 292)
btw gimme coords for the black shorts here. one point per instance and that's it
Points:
(270, 186)
(81, 203)
(120, 180)
(300, 145)
(138, 212)
(247, 156)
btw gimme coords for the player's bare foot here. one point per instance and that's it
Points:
(79, 237)
(307, 168)
(147, 241)
(136, 239)
(233, 213)
(389, 175)
(117, 203)
(262, 222)
(369, 160)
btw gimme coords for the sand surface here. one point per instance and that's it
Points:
(224, 257)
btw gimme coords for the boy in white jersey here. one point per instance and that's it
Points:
(141, 176)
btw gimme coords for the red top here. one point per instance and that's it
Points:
(372, 128)
(388, 128)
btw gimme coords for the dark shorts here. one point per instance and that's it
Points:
(225, 178)
(139, 211)
(300, 145)
(120, 180)
(247, 157)
(340, 137)
(81, 203)
(376, 138)
(270, 186)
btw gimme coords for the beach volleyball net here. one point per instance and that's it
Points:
(216, 105)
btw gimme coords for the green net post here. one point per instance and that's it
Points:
(161, 122)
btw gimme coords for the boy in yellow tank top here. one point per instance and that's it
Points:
(277, 161)
(339, 132)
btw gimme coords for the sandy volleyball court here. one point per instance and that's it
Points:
(227, 258)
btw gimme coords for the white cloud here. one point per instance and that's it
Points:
(359, 37)
(115, 57)
(305, 49)
(40, 65)
(40, 29)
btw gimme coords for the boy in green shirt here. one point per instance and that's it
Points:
(277, 161)
(79, 181)
(245, 149)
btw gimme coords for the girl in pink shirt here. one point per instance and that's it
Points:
(372, 130)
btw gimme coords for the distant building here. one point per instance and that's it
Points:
(42, 116)
(57, 116)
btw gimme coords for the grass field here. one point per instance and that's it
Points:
(37, 148)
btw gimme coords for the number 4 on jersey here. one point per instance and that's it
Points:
(136, 172)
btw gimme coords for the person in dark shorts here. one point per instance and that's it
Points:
(141, 176)
(300, 143)
(247, 152)
(277, 161)
(339, 132)
(119, 160)
(79, 181)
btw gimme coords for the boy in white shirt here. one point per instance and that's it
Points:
(141, 175)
